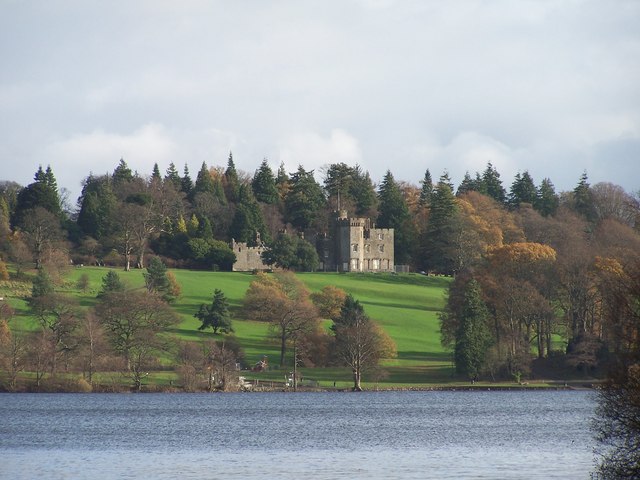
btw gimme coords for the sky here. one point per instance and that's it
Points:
(551, 87)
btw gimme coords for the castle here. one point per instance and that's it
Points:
(354, 245)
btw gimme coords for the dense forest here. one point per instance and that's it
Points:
(533, 267)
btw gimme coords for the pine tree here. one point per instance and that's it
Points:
(427, 189)
(204, 181)
(186, 184)
(493, 185)
(283, 183)
(231, 182)
(468, 184)
(438, 242)
(122, 173)
(363, 192)
(111, 283)
(547, 201)
(473, 338)
(215, 316)
(42, 284)
(155, 175)
(392, 207)
(264, 184)
(173, 177)
(583, 199)
(43, 192)
(394, 213)
(248, 219)
(304, 199)
(523, 190)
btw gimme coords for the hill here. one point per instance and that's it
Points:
(405, 305)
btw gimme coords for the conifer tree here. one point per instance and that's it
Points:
(523, 190)
(363, 192)
(155, 175)
(111, 283)
(204, 181)
(122, 173)
(173, 177)
(427, 189)
(438, 243)
(583, 199)
(43, 192)
(304, 199)
(248, 219)
(215, 316)
(467, 185)
(282, 182)
(473, 338)
(394, 213)
(186, 184)
(231, 182)
(264, 184)
(493, 185)
(547, 201)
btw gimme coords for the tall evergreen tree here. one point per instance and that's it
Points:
(204, 181)
(304, 199)
(122, 173)
(473, 338)
(583, 199)
(231, 182)
(437, 244)
(43, 192)
(523, 190)
(547, 201)
(248, 219)
(155, 174)
(469, 184)
(264, 184)
(427, 189)
(283, 182)
(98, 207)
(394, 213)
(493, 185)
(172, 176)
(392, 207)
(186, 184)
(363, 192)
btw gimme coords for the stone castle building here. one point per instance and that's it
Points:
(353, 245)
(248, 259)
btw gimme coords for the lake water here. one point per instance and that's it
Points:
(372, 435)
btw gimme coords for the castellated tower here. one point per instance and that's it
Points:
(354, 245)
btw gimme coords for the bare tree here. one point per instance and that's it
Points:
(134, 322)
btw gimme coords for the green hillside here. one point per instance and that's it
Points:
(405, 305)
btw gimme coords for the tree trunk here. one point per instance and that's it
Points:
(283, 347)
(356, 380)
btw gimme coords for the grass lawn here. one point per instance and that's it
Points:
(405, 305)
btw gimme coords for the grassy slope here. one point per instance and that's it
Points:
(405, 305)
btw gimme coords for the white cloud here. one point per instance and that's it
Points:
(313, 151)
(149, 144)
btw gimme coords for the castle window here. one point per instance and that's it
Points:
(380, 236)
(375, 264)
(367, 248)
(354, 247)
(381, 248)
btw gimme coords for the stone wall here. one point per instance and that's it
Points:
(248, 259)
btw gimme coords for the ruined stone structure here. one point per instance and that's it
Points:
(248, 259)
(355, 245)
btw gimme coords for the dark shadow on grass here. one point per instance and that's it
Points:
(425, 356)
(402, 306)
